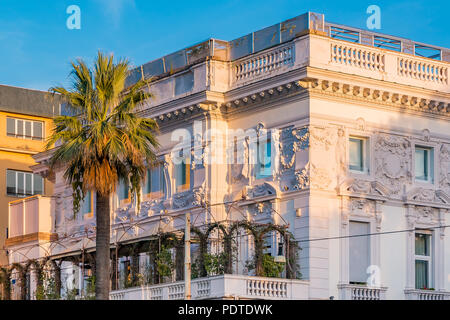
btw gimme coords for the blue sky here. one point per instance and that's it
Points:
(36, 46)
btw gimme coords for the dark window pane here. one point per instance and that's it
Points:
(421, 274)
(28, 129)
(28, 184)
(87, 204)
(20, 183)
(264, 159)
(37, 131)
(38, 184)
(10, 126)
(148, 182)
(421, 164)
(11, 182)
(20, 128)
(155, 181)
(123, 190)
(422, 244)
(356, 154)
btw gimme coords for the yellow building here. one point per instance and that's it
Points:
(25, 124)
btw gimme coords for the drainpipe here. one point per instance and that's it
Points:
(187, 257)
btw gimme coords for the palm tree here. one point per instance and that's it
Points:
(105, 141)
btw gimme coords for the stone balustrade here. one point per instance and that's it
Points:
(263, 64)
(220, 287)
(361, 292)
(414, 294)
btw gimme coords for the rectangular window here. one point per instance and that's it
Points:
(88, 205)
(19, 129)
(11, 182)
(28, 134)
(423, 260)
(21, 184)
(359, 252)
(38, 133)
(26, 129)
(358, 154)
(182, 175)
(154, 184)
(11, 127)
(424, 164)
(264, 159)
(124, 193)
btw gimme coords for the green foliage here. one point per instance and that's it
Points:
(71, 294)
(215, 263)
(271, 268)
(89, 292)
(46, 290)
(164, 263)
(105, 139)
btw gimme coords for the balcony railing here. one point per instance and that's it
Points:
(361, 292)
(220, 287)
(30, 219)
(266, 63)
(415, 294)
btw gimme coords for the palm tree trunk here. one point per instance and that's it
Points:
(102, 270)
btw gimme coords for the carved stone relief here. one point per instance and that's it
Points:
(393, 156)
(362, 208)
(320, 178)
(261, 209)
(444, 177)
(302, 178)
(190, 198)
(341, 152)
(292, 141)
(322, 137)
(261, 190)
(152, 207)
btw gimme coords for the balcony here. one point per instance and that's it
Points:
(220, 287)
(30, 219)
(361, 292)
(415, 294)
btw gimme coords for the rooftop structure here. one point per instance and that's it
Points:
(280, 33)
(28, 101)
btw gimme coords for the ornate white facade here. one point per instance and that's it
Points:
(309, 94)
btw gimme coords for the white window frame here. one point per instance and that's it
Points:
(428, 258)
(431, 163)
(24, 183)
(369, 239)
(365, 154)
(23, 136)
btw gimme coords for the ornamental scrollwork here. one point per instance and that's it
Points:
(393, 156)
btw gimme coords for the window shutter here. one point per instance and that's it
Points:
(359, 251)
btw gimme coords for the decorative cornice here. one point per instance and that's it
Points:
(329, 88)
(379, 97)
